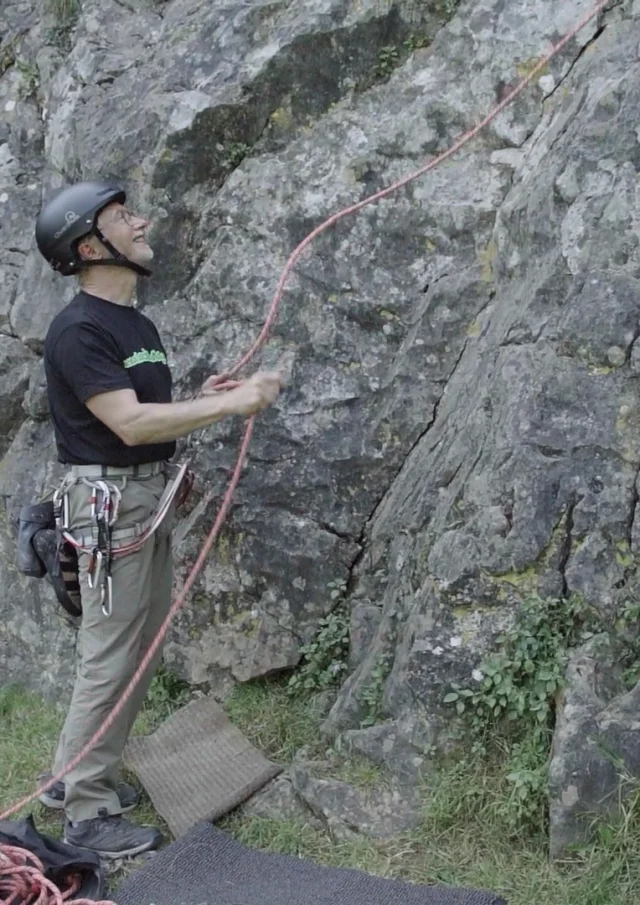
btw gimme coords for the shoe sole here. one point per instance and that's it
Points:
(56, 805)
(114, 856)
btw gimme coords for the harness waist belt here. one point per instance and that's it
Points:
(147, 470)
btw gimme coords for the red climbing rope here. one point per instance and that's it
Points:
(22, 881)
(224, 382)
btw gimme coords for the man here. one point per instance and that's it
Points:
(110, 396)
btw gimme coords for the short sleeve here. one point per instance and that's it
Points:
(89, 361)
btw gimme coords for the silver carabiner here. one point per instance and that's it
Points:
(108, 609)
(65, 510)
(94, 573)
(116, 497)
(60, 500)
(105, 503)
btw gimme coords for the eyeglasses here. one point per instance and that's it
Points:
(126, 216)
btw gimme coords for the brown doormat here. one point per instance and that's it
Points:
(197, 765)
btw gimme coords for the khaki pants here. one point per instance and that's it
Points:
(112, 647)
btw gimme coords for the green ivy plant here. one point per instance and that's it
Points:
(522, 676)
(324, 658)
(514, 700)
(388, 59)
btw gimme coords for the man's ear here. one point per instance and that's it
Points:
(87, 251)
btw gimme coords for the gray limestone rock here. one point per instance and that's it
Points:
(365, 620)
(37, 643)
(346, 810)
(596, 750)
(461, 424)
(398, 746)
(278, 801)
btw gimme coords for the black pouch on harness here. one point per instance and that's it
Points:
(41, 551)
(33, 519)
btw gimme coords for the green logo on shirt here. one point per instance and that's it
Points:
(145, 357)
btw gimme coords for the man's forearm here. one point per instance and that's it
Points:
(164, 422)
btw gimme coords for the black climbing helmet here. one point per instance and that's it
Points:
(70, 215)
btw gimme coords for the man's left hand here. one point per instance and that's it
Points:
(209, 386)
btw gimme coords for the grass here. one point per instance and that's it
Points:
(466, 835)
(273, 722)
(63, 11)
(29, 730)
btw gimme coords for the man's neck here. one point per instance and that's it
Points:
(114, 284)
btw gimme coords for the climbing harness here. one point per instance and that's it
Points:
(106, 542)
(223, 382)
(47, 546)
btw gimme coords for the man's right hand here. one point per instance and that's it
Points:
(256, 393)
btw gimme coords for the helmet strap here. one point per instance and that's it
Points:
(118, 260)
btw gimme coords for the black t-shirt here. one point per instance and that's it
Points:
(93, 346)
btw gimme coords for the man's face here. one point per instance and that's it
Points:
(125, 231)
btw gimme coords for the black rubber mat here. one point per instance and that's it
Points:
(208, 867)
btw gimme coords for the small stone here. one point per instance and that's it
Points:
(547, 84)
(380, 813)
(616, 356)
(567, 185)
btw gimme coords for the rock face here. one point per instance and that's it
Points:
(346, 810)
(596, 745)
(462, 421)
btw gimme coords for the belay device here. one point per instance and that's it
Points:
(43, 551)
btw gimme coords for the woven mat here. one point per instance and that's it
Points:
(197, 765)
(208, 867)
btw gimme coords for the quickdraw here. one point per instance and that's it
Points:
(105, 503)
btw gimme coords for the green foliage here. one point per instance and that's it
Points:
(324, 659)
(463, 838)
(393, 55)
(415, 42)
(447, 8)
(370, 694)
(514, 702)
(388, 59)
(65, 15)
(167, 693)
(235, 152)
(7, 55)
(30, 79)
(273, 720)
(60, 36)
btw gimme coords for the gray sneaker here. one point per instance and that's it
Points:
(54, 797)
(112, 836)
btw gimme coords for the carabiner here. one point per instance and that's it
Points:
(108, 609)
(94, 569)
(65, 510)
(114, 505)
